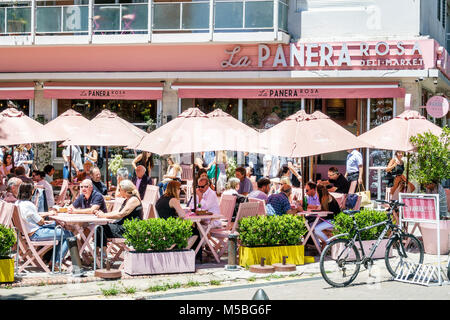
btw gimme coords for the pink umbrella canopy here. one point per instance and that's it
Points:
(106, 129)
(193, 131)
(304, 135)
(18, 128)
(395, 134)
(68, 124)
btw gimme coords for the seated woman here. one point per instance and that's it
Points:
(232, 186)
(169, 206)
(34, 222)
(131, 208)
(327, 203)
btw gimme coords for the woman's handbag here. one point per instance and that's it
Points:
(365, 195)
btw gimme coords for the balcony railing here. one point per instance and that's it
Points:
(133, 18)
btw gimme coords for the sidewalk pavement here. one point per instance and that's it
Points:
(39, 285)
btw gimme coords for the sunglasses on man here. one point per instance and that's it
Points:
(201, 187)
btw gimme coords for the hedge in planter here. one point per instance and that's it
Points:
(343, 223)
(7, 240)
(271, 237)
(151, 239)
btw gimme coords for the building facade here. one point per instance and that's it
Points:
(259, 60)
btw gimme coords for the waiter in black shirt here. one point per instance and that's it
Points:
(336, 182)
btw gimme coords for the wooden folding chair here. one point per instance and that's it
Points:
(353, 186)
(31, 252)
(226, 206)
(262, 206)
(6, 211)
(151, 194)
(246, 209)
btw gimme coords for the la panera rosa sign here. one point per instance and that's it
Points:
(362, 55)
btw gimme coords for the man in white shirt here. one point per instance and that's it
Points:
(39, 178)
(206, 197)
(354, 166)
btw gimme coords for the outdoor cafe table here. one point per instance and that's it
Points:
(318, 215)
(204, 232)
(79, 222)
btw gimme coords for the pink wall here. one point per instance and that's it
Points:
(208, 57)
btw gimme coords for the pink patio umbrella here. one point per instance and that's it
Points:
(18, 128)
(68, 124)
(395, 134)
(107, 129)
(193, 131)
(302, 135)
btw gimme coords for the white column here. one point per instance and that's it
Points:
(31, 112)
(90, 19)
(158, 113)
(33, 21)
(211, 20)
(303, 104)
(150, 20)
(275, 19)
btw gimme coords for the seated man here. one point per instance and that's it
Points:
(336, 182)
(263, 190)
(312, 196)
(141, 180)
(12, 189)
(89, 201)
(39, 178)
(97, 183)
(279, 203)
(245, 186)
(206, 197)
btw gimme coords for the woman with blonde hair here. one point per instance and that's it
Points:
(173, 173)
(232, 186)
(130, 209)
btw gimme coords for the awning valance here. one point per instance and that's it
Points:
(103, 91)
(17, 91)
(288, 90)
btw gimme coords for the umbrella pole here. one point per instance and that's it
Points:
(215, 174)
(407, 173)
(194, 182)
(107, 172)
(12, 155)
(303, 179)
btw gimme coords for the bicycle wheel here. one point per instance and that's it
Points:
(340, 262)
(403, 249)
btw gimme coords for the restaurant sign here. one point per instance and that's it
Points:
(379, 55)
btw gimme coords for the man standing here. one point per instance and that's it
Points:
(39, 178)
(263, 190)
(141, 180)
(97, 183)
(72, 159)
(354, 167)
(245, 186)
(49, 171)
(88, 201)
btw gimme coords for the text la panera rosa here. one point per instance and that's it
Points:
(303, 55)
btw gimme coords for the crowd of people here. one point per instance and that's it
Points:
(22, 183)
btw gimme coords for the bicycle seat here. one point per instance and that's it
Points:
(350, 212)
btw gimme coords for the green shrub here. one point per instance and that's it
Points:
(7, 240)
(343, 223)
(271, 230)
(157, 234)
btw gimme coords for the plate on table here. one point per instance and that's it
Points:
(203, 213)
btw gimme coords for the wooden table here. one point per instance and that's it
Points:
(318, 215)
(204, 233)
(79, 222)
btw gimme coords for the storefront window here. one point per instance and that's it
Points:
(22, 105)
(263, 114)
(229, 106)
(137, 112)
(381, 111)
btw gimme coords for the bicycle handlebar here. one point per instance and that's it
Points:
(392, 203)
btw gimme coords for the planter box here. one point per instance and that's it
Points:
(367, 245)
(429, 236)
(152, 262)
(6, 270)
(252, 255)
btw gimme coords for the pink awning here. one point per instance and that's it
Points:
(103, 91)
(17, 91)
(288, 90)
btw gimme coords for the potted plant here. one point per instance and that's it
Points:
(271, 237)
(343, 223)
(158, 246)
(7, 240)
(431, 166)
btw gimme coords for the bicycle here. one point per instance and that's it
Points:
(345, 257)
